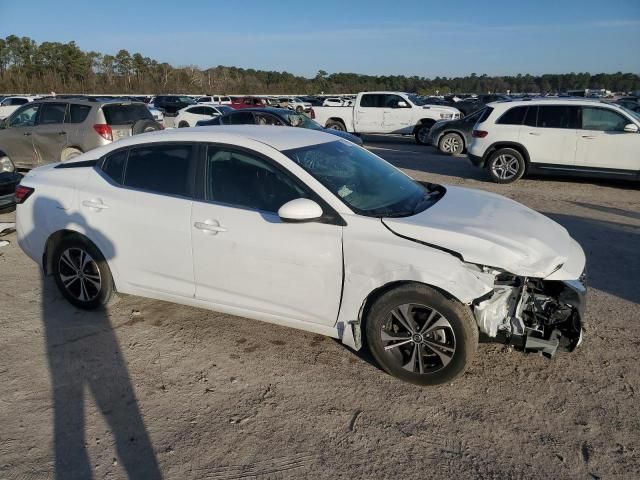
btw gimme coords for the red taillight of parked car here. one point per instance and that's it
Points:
(104, 131)
(479, 133)
(22, 193)
(312, 114)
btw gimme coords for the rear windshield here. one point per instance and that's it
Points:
(123, 114)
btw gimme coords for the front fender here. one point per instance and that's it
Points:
(375, 257)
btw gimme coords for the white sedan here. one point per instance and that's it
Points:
(298, 228)
(11, 104)
(189, 116)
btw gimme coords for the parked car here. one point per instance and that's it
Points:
(453, 136)
(170, 104)
(296, 227)
(9, 180)
(385, 113)
(55, 130)
(274, 116)
(313, 101)
(187, 117)
(216, 99)
(630, 103)
(294, 103)
(571, 136)
(240, 103)
(333, 102)
(472, 104)
(8, 105)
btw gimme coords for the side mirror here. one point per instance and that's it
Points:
(631, 128)
(300, 210)
(402, 104)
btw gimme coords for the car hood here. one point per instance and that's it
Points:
(441, 108)
(492, 230)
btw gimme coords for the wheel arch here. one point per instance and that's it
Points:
(514, 145)
(60, 235)
(457, 132)
(423, 121)
(335, 119)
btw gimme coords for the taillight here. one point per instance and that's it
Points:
(104, 131)
(22, 193)
(312, 114)
(479, 133)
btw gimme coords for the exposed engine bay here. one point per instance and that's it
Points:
(533, 314)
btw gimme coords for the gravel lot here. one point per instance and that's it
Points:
(152, 387)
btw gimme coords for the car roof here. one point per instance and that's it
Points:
(551, 101)
(88, 100)
(280, 138)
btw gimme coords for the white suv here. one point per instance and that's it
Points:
(581, 137)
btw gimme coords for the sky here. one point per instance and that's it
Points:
(409, 37)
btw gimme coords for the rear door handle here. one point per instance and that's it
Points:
(588, 136)
(535, 134)
(62, 133)
(210, 226)
(95, 204)
(27, 134)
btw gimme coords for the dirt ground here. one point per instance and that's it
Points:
(150, 389)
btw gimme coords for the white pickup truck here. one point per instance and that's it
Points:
(385, 113)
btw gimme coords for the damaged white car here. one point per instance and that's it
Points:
(294, 227)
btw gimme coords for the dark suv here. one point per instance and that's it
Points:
(170, 104)
(473, 104)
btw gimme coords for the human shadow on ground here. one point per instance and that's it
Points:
(85, 357)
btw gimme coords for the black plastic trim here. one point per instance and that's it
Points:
(83, 164)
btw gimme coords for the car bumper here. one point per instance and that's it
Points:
(8, 183)
(476, 160)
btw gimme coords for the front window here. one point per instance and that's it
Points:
(364, 182)
(25, 117)
(603, 120)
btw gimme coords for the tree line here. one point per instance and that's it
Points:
(26, 66)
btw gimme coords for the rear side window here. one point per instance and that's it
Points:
(113, 165)
(559, 116)
(485, 114)
(126, 114)
(513, 116)
(51, 113)
(164, 169)
(531, 118)
(603, 120)
(371, 100)
(78, 113)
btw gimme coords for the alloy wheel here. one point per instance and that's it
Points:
(418, 338)
(79, 274)
(505, 166)
(451, 144)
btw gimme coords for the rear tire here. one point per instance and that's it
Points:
(81, 273)
(506, 165)
(451, 144)
(420, 336)
(183, 124)
(421, 133)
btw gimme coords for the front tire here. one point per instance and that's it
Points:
(420, 336)
(506, 165)
(336, 125)
(183, 124)
(81, 273)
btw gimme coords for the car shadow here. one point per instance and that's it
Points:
(85, 357)
(611, 248)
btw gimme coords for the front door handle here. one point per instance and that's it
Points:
(95, 204)
(62, 133)
(588, 136)
(27, 134)
(535, 134)
(210, 226)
